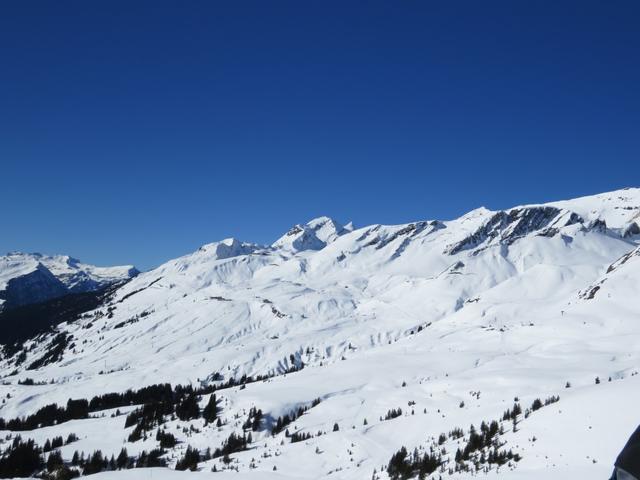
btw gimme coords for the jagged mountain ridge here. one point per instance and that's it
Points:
(328, 279)
(491, 301)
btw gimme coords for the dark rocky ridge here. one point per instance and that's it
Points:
(511, 225)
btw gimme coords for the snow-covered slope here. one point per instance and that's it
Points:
(32, 277)
(447, 320)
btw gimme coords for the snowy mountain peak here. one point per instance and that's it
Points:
(617, 208)
(314, 235)
(227, 248)
(326, 229)
(477, 213)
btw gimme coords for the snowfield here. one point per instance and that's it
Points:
(453, 322)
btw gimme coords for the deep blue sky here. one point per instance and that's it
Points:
(133, 131)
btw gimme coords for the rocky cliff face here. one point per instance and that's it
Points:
(506, 227)
(34, 287)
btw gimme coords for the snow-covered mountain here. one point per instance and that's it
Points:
(407, 335)
(27, 278)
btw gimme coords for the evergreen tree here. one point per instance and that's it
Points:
(190, 460)
(167, 440)
(210, 412)
(398, 466)
(22, 459)
(123, 459)
(95, 464)
(54, 461)
(188, 408)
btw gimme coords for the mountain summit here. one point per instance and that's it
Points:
(314, 235)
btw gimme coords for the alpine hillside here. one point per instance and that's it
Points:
(501, 342)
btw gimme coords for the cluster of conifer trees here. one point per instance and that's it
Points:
(403, 466)
(97, 462)
(184, 407)
(21, 459)
(48, 415)
(158, 402)
(192, 456)
(480, 449)
(159, 393)
(26, 459)
(283, 421)
(393, 413)
(300, 436)
(254, 420)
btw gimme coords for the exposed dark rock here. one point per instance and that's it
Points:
(624, 259)
(591, 293)
(34, 287)
(630, 230)
(514, 224)
(598, 225)
(28, 321)
(295, 230)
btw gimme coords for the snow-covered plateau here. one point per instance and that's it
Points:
(502, 343)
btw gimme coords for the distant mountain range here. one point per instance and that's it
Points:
(363, 339)
(27, 278)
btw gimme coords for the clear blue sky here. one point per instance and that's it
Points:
(135, 131)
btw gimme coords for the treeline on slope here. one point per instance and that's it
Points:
(184, 407)
(48, 415)
(153, 394)
(479, 450)
(23, 458)
(27, 459)
(52, 414)
(187, 408)
(158, 402)
(283, 421)
(233, 444)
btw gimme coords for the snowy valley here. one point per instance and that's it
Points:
(501, 342)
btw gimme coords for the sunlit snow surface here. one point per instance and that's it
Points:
(508, 305)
